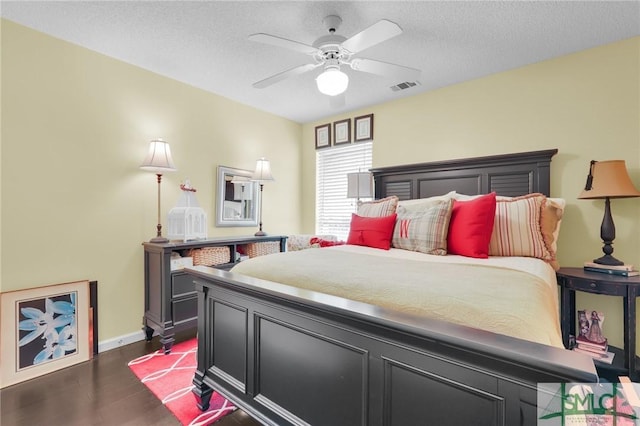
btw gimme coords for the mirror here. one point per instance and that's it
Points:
(237, 198)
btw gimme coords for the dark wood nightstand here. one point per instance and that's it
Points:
(577, 279)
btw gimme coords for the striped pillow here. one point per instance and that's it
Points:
(516, 228)
(379, 208)
(424, 231)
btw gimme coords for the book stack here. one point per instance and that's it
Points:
(598, 351)
(590, 340)
(622, 270)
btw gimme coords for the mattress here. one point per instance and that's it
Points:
(514, 296)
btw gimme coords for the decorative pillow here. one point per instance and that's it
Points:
(465, 197)
(550, 219)
(471, 226)
(516, 229)
(423, 203)
(379, 208)
(371, 231)
(320, 242)
(424, 231)
(297, 242)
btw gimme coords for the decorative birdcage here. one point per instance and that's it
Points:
(187, 220)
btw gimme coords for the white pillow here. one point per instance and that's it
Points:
(420, 204)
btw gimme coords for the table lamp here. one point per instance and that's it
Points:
(359, 185)
(608, 179)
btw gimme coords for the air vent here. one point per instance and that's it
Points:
(405, 85)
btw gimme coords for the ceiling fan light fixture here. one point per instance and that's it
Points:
(332, 81)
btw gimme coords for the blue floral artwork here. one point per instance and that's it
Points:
(47, 329)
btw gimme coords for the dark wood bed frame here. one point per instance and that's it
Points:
(291, 356)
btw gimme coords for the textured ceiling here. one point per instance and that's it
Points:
(205, 43)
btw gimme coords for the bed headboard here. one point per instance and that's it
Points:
(509, 175)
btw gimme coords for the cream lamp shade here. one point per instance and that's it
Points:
(359, 185)
(608, 179)
(158, 159)
(263, 171)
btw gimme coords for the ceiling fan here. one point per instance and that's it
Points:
(333, 51)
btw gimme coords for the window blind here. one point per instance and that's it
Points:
(333, 208)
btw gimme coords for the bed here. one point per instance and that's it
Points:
(289, 352)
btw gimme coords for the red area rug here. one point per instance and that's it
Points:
(169, 378)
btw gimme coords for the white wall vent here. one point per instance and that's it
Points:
(405, 85)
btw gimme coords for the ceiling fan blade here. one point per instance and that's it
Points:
(283, 42)
(393, 71)
(376, 33)
(337, 101)
(284, 74)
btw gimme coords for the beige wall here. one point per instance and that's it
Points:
(75, 127)
(585, 104)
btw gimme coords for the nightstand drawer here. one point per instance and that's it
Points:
(595, 286)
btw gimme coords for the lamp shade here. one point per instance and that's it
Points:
(332, 81)
(158, 159)
(609, 179)
(263, 171)
(359, 185)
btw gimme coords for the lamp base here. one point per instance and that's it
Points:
(609, 260)
(159, 240)
(260, 233)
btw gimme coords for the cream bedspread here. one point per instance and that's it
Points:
(512, 296)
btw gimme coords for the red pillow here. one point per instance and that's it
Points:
(373, 232)
(471, 225)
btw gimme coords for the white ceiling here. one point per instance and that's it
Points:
(205, 43)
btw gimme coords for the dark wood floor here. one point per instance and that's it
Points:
(102, 391)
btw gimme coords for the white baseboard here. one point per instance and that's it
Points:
(107, 345)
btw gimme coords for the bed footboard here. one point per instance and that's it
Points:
(295, 357)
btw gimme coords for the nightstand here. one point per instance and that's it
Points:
(576, 279)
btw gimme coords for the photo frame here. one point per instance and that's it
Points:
(323, 136)
(43, 330)
(363, 128)
(342, 132)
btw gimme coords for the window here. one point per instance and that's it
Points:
(333, 208)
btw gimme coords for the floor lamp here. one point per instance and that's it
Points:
(158, 161)
(262, 175)
(608, 179)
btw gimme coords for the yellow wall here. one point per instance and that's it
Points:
(76, 125)
(75, 128)
(585, 104)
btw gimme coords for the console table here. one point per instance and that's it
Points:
(577, 279)
(170, 298)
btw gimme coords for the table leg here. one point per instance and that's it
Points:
(630, 331)
(567, 313)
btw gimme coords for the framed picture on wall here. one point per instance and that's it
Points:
(44, 329)
(342, 132)
(363, 128)
(323, 136)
